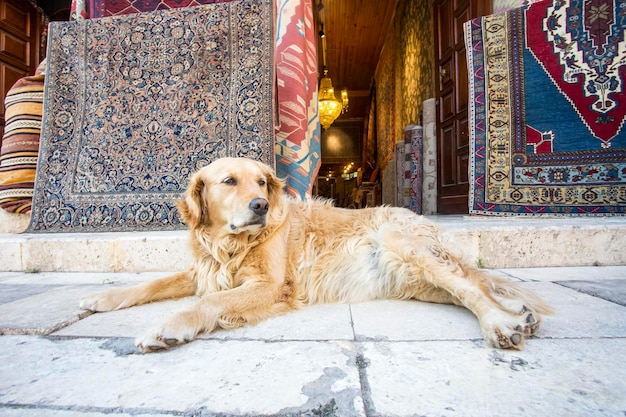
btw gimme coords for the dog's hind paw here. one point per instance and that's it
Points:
(507, 331)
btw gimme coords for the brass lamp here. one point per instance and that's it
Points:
(329, 107)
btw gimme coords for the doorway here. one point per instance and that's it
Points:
(452, 95)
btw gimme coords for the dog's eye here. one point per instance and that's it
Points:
(262, 182)
(230, 181)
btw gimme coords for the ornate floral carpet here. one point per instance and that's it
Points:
(298, 147)
(134, 104)
(548, 106)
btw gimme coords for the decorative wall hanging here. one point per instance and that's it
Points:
(548, 106)
(134, 104)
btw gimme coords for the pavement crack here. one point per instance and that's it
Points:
(366, 393)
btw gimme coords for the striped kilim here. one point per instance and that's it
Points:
(20, 144)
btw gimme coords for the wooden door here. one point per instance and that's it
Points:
(452, 93)
(20, 32)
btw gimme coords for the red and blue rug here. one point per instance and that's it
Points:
(548, 88)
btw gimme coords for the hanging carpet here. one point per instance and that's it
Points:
(298, 147)
(134, 104)
(547, 110)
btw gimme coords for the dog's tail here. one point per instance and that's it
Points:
(502, 289)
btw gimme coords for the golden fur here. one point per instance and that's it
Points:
(258, 252)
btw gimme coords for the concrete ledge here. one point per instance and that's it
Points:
(531, 242)
(95, 252)
(490, 242)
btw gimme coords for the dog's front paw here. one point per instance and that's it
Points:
(154, 342)
(107, 301)
(181, 328)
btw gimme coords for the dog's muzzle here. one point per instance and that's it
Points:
(259, 206)
(253, 219)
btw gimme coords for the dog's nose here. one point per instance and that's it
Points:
(259, 206)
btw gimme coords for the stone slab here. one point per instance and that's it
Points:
(44, 302)
(576, 315)
(565, 273)
(553, 245)
(66, 253)
(95, 252)
(381, 358)
(13, 292)
(10, 253)
(208, 377)
(553, 378)
(517, 242)
(43, 312)
(316, 322)
(413, 320)
(320, 322)
(579, 315)
(57, 310)
(491, 242)
(104, 279)
(130, 322)
(613, 290)
(36, 411)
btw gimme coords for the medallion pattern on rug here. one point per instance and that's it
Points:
(136, 103)
(548, 109)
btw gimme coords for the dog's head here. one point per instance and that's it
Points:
(231, 194)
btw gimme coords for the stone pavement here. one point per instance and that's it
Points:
(384, 358)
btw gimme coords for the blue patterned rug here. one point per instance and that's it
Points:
(134, 104)
(548, 106)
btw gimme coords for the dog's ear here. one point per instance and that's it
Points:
(275, 187)
(192, 208)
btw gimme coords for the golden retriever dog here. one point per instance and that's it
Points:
(258, 252)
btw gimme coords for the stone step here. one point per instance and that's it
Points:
(490, 242)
